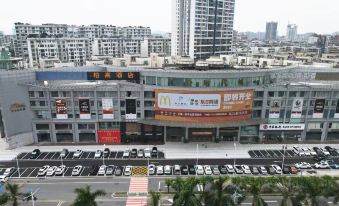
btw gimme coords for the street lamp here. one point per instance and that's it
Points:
(16, 158)
(196, 164)
(282, 165)
(148, 161)
(235, 152)
(103, 156)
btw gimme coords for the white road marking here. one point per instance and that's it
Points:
(60, 203)
(84, 182)
(46, 155)
(31, 172)
(159, 186)
(88, 155)
(39, 155)
(53, 155)
(24, 155)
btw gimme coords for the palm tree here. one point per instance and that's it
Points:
(4, 198)
(287, 187)
(13, 192)
(168, 183)
(155, 198)
(177, 184)
(217, 195)
(254, 186)
(204, 180)
(312, 189)
(85, 197)
(185, 194)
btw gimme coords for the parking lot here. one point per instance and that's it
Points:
(271, 153)
(84, 155)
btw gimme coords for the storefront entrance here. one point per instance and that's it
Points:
(44, 137)
(175, 134)
(87, 137)
(201, 135)
(229, 134)
(64, 137)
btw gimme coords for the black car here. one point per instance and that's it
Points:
(94, 170)
(332, 151)
(255, 170)
(318, 151)
(134, 153)
(154, 152)
(107, 152)
(191, 170)
(286, 170)
(223, 169)
(184, 170)
(35, 153)
(118, 171)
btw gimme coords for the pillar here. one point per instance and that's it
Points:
(165, 134)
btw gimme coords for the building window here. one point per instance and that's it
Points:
(42, 127)
(293, 94)
(41, 94)
(54, 94)
(42, 103)
(32, 103)
(281, 94)
(271, 94)
(31, 94)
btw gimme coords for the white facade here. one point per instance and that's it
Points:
(202, 28)
(292, 32)
(116, 47)
(155, 45)
(134, 31)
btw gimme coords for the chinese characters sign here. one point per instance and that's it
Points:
(113, 76)
(85, 110)
(201, 106)
(61, 109)
(109, 136)
(107, 108)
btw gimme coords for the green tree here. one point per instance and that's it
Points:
(252, 185)
(155, 198)
(4, 198)
(287, 187)
(312, 189)
(13, 192)
(85, 197)
(204, 180)
(185, 194)
(217, 195)
(168, 183)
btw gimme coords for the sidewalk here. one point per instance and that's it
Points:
(172, 150)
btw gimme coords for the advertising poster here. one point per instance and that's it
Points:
(297, 107)
(318, 111)
(109, 136)
(203, 106)
(274, 109)
(61, 109)
(336, 114)
(107, 108)
(85, 110)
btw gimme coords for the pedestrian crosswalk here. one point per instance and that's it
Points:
(138, 187)
(136, 201)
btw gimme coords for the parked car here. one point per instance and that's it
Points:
(303, 165)
(147, 153)
(293, 170)
(332, 164)
(64, 153)
(306, 151)
(263, 170)
(94, 170)
(118, 171)
(223, 169)
(35, 153)
(110, 170)
(207, 169)
(51, 171)
(43, 170)
(9, 171)
(322, 165)
(76, 170)
(176, 170)
(151, 169)
(319, 158)
(313, 153)
(140, 153)
(215, 170)
(128, 170)
(246, 169)
(154, 152)
(327, 153)
(332, 151)
(184, 170)
(277, 169)
(125, 154)
(230, 169)
(77, 153)
(238, 169)
(168, 169)
(60, 170)
(199, 170)
(254, 170)
(134, 153)
(191, 170)
(318, 151)
(3, 179)
(286, 170)
(98, 154)
(102, 170)
(298, 151)
(160, 170)
(271, 170)
(107, 152)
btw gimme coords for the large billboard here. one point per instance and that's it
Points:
(297, 107)
(113, 76)
(274, 109)
(109, 136)
(203, 106)
(107, 108)
(318, 111)
(85, 110)
(61, 109)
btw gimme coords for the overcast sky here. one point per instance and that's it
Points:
(319, 16)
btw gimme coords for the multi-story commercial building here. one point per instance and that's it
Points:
(271, 31)
(155, 45)
(292, 32)
(202, 28)
(75, 50)
(116, 105)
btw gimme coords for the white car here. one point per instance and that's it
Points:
(60, 170)
(199, 170)
(128, 170)
(246, 169)
(3, 178)
(168, 169)
(147, 153)
(76, 170)
(208, 170)
(43, 170)
(160, 170)
(140, 153)
(9, 171)
(321, 165)
(98, 154)
(306, 151)
(263, 170)
(51, 171)
(102, 170)
(325, 152)
(230, 169)
(277, 169)
(298, 151)
(125, 154)
(77, 153)
(303, 165)
(151, 169)
(313, 153)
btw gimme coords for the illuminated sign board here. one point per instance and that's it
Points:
(113, 76)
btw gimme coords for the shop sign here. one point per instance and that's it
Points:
(286, 127)
(17, 107)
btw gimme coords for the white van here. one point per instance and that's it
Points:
(176, 170)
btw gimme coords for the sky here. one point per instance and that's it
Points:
(320, 16)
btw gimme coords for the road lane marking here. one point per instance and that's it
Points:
(60, 203)
(46, 155)
(24, 156)
(31, 172)
(88, 155)
(39, 155)
(53, 155)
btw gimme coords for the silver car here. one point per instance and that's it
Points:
(76, 170)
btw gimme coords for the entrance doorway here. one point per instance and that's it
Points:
(229, 134)
(44, 137)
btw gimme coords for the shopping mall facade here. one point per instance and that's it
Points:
(115, 105)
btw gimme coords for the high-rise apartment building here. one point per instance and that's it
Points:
(202, 28)
(271, 31)
(291, 32)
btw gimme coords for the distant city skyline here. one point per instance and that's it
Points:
(310, 15)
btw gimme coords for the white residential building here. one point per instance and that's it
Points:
(202, 28)
(116, 47)
(155, 45)
(134, 31)
(292, 32)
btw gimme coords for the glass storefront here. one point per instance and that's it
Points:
(313, 136)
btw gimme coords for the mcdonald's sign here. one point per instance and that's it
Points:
(165, 101)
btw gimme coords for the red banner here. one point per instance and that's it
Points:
(109, 136)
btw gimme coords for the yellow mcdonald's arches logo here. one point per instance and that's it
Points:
(165, 100)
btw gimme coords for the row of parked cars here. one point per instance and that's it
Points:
(316, 151)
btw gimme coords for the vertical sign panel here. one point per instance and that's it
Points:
(85, 110)
(318, 111)
(336, 114)
(107, 108)
(297, 107)
(61, 109)
(274, 109)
